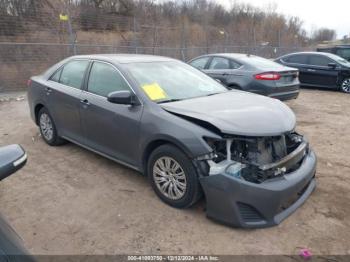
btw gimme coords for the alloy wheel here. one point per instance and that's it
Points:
(46, 126)
(346, 86)
(169, 178)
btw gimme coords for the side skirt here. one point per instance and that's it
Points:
(103, 154)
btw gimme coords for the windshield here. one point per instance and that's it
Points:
(339, 59)
(172, 81)
(344, 53)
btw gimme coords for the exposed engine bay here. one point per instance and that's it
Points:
(256, 159)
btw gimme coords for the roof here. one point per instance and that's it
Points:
(309, 53)
(231, 55)
(126, 58)
(239, 57)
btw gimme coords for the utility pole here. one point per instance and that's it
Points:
(135, 36)
(155, 37)
(254, 40)
(183, 40)
(71, 35)
(225, 34)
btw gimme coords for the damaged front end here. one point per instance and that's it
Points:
(257, 159)
(256, 181)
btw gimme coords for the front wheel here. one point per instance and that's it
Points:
(345, 85)
(173, 177)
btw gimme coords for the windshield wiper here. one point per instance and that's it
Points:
(215, 94)
(169, 100)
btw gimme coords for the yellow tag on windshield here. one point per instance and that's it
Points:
(154, 91)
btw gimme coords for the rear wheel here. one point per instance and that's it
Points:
(173, 177)
(345, 85)
(48, 129)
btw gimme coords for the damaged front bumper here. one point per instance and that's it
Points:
(240, 203)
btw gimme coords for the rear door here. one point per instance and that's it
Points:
(112, 129)
(320, 73)
(64, 91)
(221, 68)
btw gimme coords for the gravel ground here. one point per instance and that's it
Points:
(67, 200)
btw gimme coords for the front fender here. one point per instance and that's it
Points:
(165, 127)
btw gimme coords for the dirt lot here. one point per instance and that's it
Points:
(68, 200)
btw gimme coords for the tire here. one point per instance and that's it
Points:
(188, 189)
(345, 86)
(48, 129)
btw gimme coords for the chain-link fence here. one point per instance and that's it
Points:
(19, 61)
(36, 34)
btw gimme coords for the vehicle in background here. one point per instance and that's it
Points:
(12, 158)
(320, 69)
(340, 50)
(188, 133)
(250, 73)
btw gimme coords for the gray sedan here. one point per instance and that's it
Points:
(188, 133)
(251, 73)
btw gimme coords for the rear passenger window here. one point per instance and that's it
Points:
(234, 65)
(73, 73)
(200, 62)
(319, 60)
(219, 63)
(296, 59)
(104, 79)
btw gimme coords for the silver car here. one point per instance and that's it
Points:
(251, 73)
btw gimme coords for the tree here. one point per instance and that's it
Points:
(323, 34)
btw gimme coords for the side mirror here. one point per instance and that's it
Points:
(332, 65)
(12, 158)
(122, 97)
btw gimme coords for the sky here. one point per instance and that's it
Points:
(333, 14)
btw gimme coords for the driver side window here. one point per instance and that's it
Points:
(104, 79)
(318, 60)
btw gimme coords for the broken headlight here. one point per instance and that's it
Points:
(256, 159)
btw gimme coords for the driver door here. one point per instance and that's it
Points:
(320, 73)
(112, 129)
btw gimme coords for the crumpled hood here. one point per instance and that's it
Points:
(238, 113)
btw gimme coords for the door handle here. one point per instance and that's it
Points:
(85, 102)
(48, 90)
(311, 70)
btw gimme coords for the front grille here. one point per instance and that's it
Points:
(249, 213)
